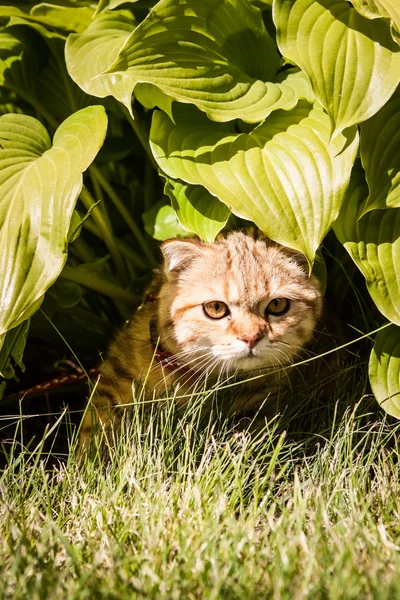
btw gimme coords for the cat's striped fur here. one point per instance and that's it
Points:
(243, 271)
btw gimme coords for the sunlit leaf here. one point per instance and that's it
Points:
(38, 181)
(197, 210)
(12, 346)
(215, 54)
(285, 175)
(112, 4)
(90, 53)
(150, 96)
(353, 62)
(299, 81)
(374, 9)
(384, 370)
(72, 16)
(380, 155)
(373, 242)
(162, 223)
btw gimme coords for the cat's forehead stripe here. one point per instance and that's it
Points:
(245, 274)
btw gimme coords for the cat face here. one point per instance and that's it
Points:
(242, 303)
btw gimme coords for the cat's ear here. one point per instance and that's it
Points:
(178, 254)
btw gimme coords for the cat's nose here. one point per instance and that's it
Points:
(251, 340)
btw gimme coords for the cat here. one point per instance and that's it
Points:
(242, 306)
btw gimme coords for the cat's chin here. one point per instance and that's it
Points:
(251, 364)
(254, 362)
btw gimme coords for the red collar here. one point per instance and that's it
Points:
(167, 360)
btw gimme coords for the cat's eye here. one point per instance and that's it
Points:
(216, 309)
(278, 307)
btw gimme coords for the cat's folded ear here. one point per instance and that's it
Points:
(179, 253)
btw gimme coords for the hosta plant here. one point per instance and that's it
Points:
(123, 122)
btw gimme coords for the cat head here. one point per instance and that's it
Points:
(241, 303)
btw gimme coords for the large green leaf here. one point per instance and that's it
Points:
(72, 16)
(388, 9)
(162, 223)
(90, 53)
(353, 62)
(285, 175)
(12, 346)
(384, 370)
(373, 242)
(39, 185)
(150, 96)
(215, 54)
(299, 81)
(56, 92)
(380, 155)
(32, 65)
(198, 211)
(22, 55)
(112, 4)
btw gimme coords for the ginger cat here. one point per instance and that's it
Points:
(243, 305)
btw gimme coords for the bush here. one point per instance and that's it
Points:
(285, 114)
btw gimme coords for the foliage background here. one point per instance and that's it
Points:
(285, 114)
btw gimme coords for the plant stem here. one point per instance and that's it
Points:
(105, 232)
(126, 251)
(92, 281)
(37, 106)
(99, 196)
(64, 340)
(142, 136)
(81, 313)
(129, 253)
(82, 250)
(149, 187)
(119, 205)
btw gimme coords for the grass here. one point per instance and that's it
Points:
(187, 507)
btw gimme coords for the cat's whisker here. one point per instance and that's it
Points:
(287, 358)
(323, 332)
(298, 348)
(200, 379)
(179, 355)
(208, 373)
(223, 367)
(200, 362)
(169, 378)
(184, 378)
(202, 368)
(230, 376)
(306, 352)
